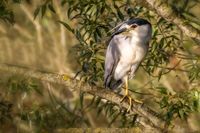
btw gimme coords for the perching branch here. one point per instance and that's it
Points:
(147, 117)
(165, 11)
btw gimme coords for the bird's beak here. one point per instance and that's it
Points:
(119, 31)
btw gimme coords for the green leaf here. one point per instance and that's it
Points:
(67, 26)
(114, 118)
(95, 36)
(97, 101)
(63, 2)
(181, 114)
(98, 32)
(164, 102)
(160, 74)
(119, 13)
(17, 1)
(51, 8)
(43, 10)
(81, 99)
(162, 90)
(70, 10)
(78, 35)
(36, 12)
(99, 110)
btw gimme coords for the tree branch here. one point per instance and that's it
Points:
(148, 117)
(165, 11)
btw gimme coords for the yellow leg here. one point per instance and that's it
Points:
(127, 95)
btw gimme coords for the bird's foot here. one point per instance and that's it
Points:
(138, 101)
(130, 101)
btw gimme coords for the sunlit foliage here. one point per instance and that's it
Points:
(93, 22)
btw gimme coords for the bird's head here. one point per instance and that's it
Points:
(136, 27)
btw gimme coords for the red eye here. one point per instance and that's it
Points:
(133, 26)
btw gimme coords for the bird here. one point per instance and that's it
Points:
(127, 48)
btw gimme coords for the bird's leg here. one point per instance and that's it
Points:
(127, 95)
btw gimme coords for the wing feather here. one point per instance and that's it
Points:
(111, 61)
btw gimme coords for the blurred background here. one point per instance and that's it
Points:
(70, 37)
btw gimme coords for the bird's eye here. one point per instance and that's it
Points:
(133, 26)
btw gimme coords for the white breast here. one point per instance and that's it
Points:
(131, 52)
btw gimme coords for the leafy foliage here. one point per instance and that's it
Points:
(5, 13)
(96, 19)
(17, 84)
(48, 4)
(91, 22)
(179, 105)
(5, 111)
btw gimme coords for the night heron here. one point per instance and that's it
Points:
(127, 48)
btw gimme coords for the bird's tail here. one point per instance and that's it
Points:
(116, 84)
(112, 84)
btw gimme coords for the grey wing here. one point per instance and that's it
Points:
(111, 61)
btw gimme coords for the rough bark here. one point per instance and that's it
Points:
(147, 117)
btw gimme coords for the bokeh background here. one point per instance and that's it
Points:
(45, 44)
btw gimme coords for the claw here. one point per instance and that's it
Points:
(138, 101)
(130, 102)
